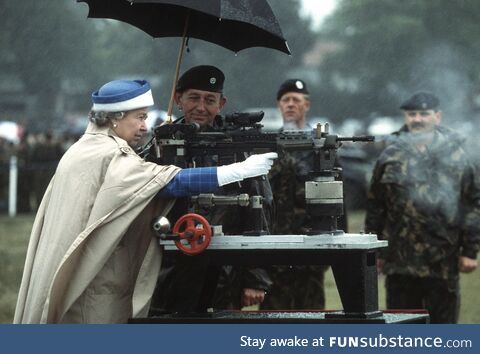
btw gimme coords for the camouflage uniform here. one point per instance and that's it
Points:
(294, 287)
(191, 283)
(427, 205)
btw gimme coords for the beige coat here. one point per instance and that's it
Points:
(91, 256)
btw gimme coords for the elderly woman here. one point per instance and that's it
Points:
(92, 257)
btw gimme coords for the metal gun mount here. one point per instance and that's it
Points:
(351, 256)
(255, 203)
(324, 189)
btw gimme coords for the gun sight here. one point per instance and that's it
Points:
(244, 119)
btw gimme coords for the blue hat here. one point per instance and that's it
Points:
(122, 95)
(421, 101)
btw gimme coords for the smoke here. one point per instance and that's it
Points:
(441, 70)
(431, 179)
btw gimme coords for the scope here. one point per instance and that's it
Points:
(244, 119)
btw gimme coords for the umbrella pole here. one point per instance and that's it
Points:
(177, 70)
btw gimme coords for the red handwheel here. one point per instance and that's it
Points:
(195, 233)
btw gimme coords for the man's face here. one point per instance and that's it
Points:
(422, 121)
(294, 106)
(200, 106)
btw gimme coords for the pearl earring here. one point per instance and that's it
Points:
(114, 125)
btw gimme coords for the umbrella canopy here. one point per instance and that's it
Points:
(232, 24)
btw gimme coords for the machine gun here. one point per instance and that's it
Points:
(184, 145)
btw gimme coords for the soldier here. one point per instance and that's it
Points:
(294, 287)
(424, 200)
(189, 283)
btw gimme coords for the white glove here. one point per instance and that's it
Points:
(255, 165)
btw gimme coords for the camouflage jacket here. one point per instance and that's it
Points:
(287, 177)
(427, 205)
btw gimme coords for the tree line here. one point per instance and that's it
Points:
(383, 50)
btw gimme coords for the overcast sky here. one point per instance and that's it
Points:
(318, 9)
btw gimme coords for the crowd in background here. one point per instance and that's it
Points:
(37, 158)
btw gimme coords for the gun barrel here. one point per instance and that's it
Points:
(357, 138)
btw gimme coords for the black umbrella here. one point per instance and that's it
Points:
(232, 24)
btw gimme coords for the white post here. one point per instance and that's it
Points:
(12, 187)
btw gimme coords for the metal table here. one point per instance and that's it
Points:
(352, 258)
(286, 317)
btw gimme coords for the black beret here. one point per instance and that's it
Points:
(292, 85)
(202, 77)
(421, 101)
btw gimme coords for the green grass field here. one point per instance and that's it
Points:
(14, 234)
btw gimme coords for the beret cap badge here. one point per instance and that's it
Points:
(292, 85)
(202, 77)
